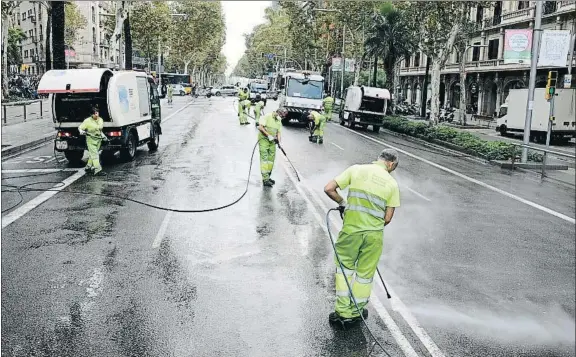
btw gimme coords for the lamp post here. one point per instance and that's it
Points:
(462, 111)
(343, 57)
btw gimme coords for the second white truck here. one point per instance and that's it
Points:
(512, 115)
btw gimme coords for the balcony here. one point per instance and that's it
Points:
(518, 15)
(493, 21)
(32, 18)
(566, 5)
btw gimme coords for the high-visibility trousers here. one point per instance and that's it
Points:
(267, 157)
(359, 254)
(319, 129)
(93, 145)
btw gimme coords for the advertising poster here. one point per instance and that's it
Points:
(554, 48)
(517, 46)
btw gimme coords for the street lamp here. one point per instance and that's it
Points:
(462, 111)
(343, 57)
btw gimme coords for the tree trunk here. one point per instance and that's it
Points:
(186, 67)
(128, 43)
(462, 105)
(425, 89)
(375, 72)
(396, 74)
(58, 35)
(5, 47)
(435, 100)
(389, 70)
(48, 44)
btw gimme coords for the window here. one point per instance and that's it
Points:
(39, 12)
(23, 16)
(310, 90)
(476, 52)
(457, 57)
(143, 97)
(93, 15)
(41, 33)
(493, 49)
(523, 5)
(25, 53)
(29, 12)
(93, 34)
(31, 33)
(417, 59)
(407, 61)
(479, 14)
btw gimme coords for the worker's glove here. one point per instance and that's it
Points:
(82, 132)
(271, 138)
(276, 141)
(104, 137)
(341, 208)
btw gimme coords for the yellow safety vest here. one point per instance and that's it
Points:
(272, 123)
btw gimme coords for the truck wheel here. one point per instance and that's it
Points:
(285, 121)
(74, 157)
(503, 130)
(350, 122)
(376, 129)
(218, 94)
(341, 117)
(128, 152)
(155, 141)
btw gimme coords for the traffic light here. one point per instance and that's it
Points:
(551, 85)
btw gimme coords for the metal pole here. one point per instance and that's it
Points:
(285, 55)
(159, 63)
(572, 49)
(343, 61)
(548, 133)
(532, 84)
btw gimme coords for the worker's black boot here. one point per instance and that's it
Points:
(320, 140)
(267, 183)
(273, 182)
(312, 138)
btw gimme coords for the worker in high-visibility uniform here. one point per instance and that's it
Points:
(244, 111)
(92, 128)
(258, 110)
(373, 195)
(317, 121)
(243, 94)
(269, 128)
(169, 93)
(328, 104)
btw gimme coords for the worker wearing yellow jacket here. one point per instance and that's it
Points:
(244, 111)
(373, 196)
(328, 103)
(317, 123)
(92, 128)
(243, 94)
(270, 126)
(258, 110)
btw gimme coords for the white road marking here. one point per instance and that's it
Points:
(417, 194)
(37, 201)
(341, 148)
(162, 231)
(176, 112)
(473, 180)
(401, 340)
(30, 171)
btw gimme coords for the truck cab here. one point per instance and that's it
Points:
(258, 91)
(301, 92)
(127, 101)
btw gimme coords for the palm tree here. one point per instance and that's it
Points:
(389, 38)
(58, 45)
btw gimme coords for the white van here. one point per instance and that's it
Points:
(364, 106)
(128, 103)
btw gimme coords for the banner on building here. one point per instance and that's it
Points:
(517, 46)
(554, 48)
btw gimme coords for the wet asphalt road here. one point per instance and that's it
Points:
(473, 272)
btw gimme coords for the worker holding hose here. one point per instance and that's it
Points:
(92, 128)
(269, 128)
(317, 123)
(244, 111)
(373, 195)
(258, 109)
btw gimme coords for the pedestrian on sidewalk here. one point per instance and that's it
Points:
(92, 128)
(373, 196)
(270, 127)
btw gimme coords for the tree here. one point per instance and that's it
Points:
(150, 24)
(58, 34)
(74, 21)
(439, 23)
(128, 43)
(15, 36)
(7, 10)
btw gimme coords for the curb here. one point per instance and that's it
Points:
(19, 148)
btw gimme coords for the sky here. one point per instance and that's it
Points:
(241, 17)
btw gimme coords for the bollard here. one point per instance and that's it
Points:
(41, 110)
(24, 112)
(4, 107)
(544, 165)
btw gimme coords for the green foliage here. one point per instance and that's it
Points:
(75, 21)
(15, 35)
(453, 138)
(150, 24)
(367, 76)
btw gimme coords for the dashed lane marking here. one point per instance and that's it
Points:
(417, 194)
(38, 200)
(339, 147)
(162, 231)
(473, 180)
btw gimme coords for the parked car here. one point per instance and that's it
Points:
(224, 90)
(273, 94)
(178, 89)
(187, 88)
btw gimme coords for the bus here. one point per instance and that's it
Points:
(176, 78)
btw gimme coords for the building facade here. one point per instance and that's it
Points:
(91, 49)
(488, 79)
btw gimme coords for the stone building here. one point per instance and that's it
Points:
(488, 79)
(91, 49)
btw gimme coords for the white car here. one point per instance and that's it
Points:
(178, 89)
(224, 90)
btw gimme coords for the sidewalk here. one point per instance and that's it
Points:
(20, 136)
(15, 114)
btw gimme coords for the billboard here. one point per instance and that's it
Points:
(554, 48)
(337, 64)
(517, 46)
